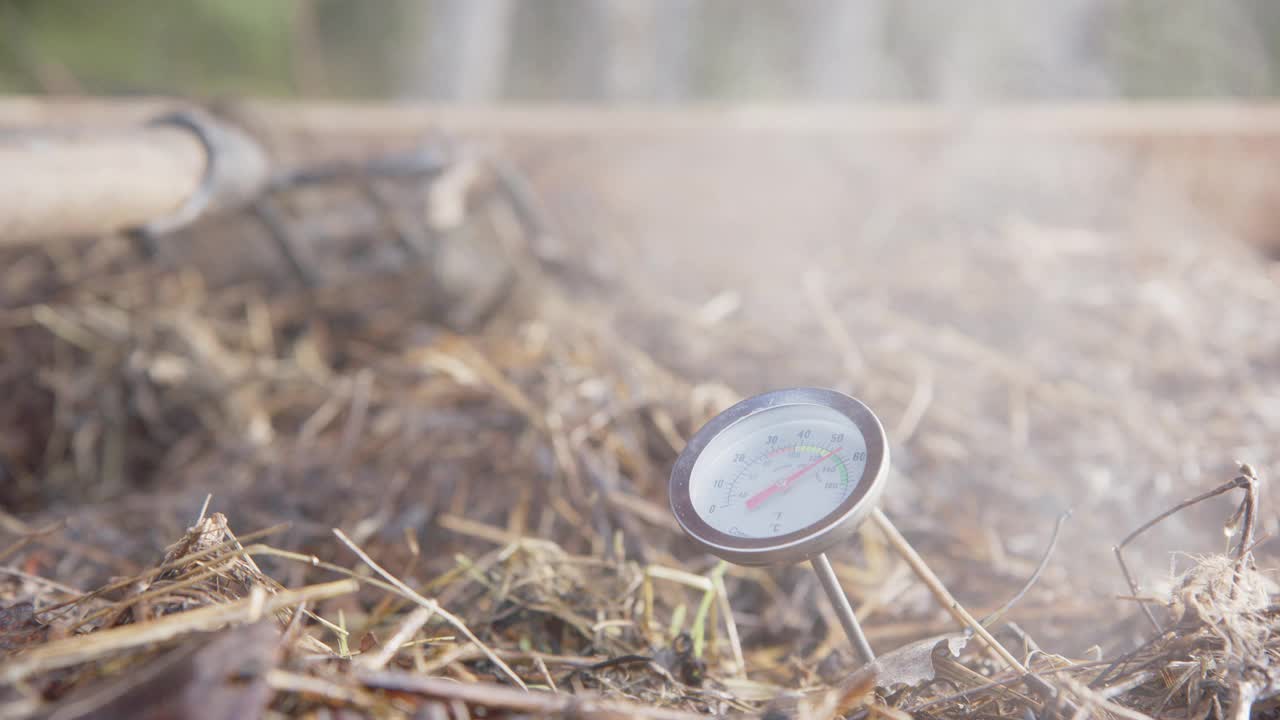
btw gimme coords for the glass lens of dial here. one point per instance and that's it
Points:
(778, 471)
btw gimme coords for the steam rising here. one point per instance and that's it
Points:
(1045, 299)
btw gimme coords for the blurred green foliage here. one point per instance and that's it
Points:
(200, 47)
(128, 46)
(737, 49)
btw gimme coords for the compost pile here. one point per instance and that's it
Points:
(240, 485)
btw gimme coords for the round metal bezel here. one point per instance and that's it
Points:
(805, 543)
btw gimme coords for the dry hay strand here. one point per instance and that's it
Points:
(1221, 653)
(574, 629)
(290, 405)
(529, 594)
(501, 490)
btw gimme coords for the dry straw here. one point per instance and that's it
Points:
(500, 483)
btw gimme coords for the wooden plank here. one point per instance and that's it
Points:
(1083, 120)
(94, 182)
(1217, 155)
(99, 178)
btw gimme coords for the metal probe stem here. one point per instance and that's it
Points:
(844, 611)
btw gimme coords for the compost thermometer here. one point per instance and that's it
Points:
(782, 477)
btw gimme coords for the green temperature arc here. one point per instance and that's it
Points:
(814, 450)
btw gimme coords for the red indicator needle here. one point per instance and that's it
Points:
(754, 501)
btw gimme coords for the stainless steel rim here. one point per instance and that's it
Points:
(803, 544)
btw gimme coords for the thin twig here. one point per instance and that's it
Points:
(1244, 480)
(546, 674)
(944, 596)
(730, 624)
(286, 681)
(77, 649)
(542, 704)
(411, 594)
(994, 616)
(408, 628)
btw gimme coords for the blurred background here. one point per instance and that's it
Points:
(1040, 239)
(616, 51)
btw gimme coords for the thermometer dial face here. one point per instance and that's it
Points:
(778, 471)
(780, 477)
